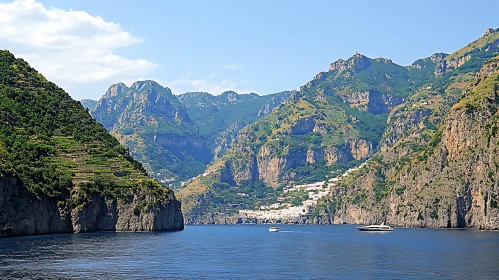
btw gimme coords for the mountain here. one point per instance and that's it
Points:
(220, 117)
(333, 121)
(361, 108)
(176, 137)
(88, 103)
(149, 120)
(61, 171)
(437, 164)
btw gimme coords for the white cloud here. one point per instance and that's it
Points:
(68, 47)
(232, 66)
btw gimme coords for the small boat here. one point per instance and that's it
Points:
(274, 229)
(381, 227)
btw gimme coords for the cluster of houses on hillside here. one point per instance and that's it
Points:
(285, 211)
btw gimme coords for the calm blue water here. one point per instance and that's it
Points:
(251, 252)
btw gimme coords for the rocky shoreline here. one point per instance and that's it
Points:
(21, 213)
(316, 221)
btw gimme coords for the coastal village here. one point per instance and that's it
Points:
(287, 211)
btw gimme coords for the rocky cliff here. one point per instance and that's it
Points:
(362, 108)
(148, 119)
(60, 171)
(219, 118)
(175, 137)
(443, 176)
(22, 213)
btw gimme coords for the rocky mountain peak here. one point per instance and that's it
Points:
(357, 62)
(490, 31)
(231, 96)
(141, 85)
(115, 89)
(437, 57)
(384, 60)
(337, 65)
(152, 91)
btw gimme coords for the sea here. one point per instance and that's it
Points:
(252, 252)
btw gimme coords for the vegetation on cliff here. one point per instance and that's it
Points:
(175, 137)
(149, 120)
(437, 165)
(54, 148)
(364, 108)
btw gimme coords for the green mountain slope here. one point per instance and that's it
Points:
(60, 171)
(440, 174)
(333, 121)
(436, 156)
(359, 108)
(219, 118)
(176, 137)
(149, 120)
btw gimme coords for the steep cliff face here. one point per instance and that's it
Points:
(149, 119)
(224, 140)
(60, 171)
(219, 118)
(175, 137)
(336, 118)
(102, 214)
(445, 176)
(368, 108)
(22, 213)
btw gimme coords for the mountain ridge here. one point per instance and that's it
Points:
(289, 145)
(167, 133)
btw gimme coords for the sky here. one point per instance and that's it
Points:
(257, 46)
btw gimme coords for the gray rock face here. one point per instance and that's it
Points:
(303, 126)
(102, 215)
(373, 101)
(452, 183)
(21, 213)
(357, 62)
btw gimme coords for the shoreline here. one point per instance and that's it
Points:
(345, 224)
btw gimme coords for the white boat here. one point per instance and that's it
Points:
(381, 227)
(274, 229)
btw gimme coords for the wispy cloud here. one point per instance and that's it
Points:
(232, 66)
(68, 47)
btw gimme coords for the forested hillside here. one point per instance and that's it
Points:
(61, 171)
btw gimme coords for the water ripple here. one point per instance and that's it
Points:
(251, 252)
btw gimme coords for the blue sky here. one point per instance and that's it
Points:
(259, 46)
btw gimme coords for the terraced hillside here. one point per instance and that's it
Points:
(61, 171)
(175, 137)
(86, 161)
(148, 119)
